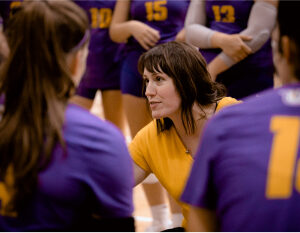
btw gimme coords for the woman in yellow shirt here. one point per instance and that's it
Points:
(182, 97)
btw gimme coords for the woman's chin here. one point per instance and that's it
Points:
(156, 116)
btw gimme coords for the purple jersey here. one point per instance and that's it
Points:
(253, 74)
(103, 63)
(247, 166)
(166, 16)
(93, 176)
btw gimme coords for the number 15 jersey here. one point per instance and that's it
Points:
(166, 16)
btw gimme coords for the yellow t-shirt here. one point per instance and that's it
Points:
(165, 155)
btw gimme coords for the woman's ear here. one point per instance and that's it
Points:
(73, 63)
(77, 64)
(287, 62)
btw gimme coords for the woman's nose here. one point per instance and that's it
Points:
(150, 89)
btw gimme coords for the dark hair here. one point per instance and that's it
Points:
(287, 16)
(36, 83)
(187, 67)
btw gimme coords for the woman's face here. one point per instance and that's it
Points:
(162, 95)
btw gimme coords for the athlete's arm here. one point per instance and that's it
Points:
(261, 23)
(180, 35)
(139, 174)
(121, 28)
(238, 46)
(235, 47)
(203, 37)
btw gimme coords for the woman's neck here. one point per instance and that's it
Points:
(190, 141)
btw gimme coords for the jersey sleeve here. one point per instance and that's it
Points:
(108, 172)
(199, 190)
(139, 149)
(227, 101)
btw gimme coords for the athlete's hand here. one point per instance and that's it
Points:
(145, 35)
(234, 45)
(180, 36)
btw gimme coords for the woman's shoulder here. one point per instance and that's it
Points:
(80, 123)
(150, 137)
(149, 130)
(226, 101)
(80, 117)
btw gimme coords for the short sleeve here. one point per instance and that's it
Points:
(139, 148)
(100, 163)
(110, 174)
(199, 190)
(225, 102)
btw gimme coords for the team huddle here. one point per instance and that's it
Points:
(210, 92)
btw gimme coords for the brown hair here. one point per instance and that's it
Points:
(187, 67)
(36, 83)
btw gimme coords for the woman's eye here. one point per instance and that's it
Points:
(158, 78)
(146, 81)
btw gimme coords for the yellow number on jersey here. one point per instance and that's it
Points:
(5, 198)
(224, 13)
(100, 18)
(105, 17)
(14, 4)
(6, 193)
(156, 10)
(283, 157)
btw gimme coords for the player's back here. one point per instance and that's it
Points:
(83, 186)
(256, 173)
